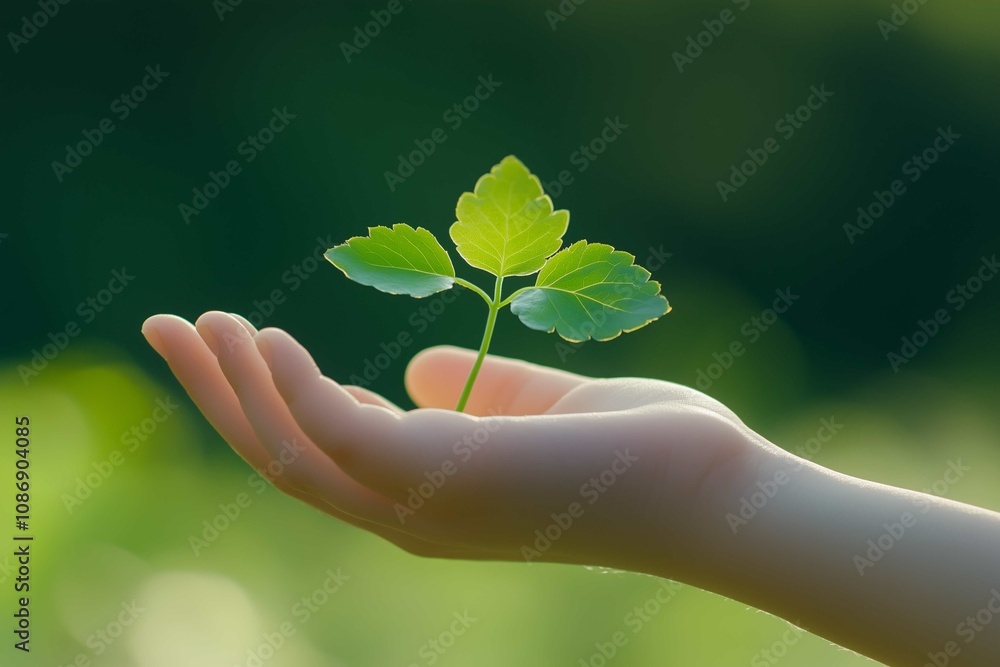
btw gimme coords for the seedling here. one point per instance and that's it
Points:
(507, 227)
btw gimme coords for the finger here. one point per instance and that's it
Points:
(307, 468)
(245, 322)
(436, 376)
(389, 452)
(369, 397)
(328, 414)
(367, 442)
(198, 371)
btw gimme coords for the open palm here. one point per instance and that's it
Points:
(544, 465)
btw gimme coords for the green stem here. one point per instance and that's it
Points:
(475, 288)
(514, 295)
(483, 347)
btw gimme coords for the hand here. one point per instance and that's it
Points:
(627, 473)
(545, 465)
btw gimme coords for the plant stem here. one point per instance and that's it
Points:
(514, 295)
(491, 321)
(475, 288)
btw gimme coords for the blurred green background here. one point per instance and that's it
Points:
(652, 191)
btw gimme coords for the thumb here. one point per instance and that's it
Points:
(436, 376)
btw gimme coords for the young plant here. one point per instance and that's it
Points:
(507, 227)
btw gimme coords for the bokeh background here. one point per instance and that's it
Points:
(653, 191)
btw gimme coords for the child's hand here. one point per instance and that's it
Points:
(545, 465)
(636, 474)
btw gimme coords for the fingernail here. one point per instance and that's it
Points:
(155, 339)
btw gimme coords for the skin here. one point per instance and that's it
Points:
(654, 470)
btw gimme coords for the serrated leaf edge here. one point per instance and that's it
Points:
(347, 243)
(544, 196)
(631, 262)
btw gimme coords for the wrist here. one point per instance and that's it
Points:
(747, 510)
(708, 493)
(761, 536)
(744, 511)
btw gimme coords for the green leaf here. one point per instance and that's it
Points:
(507, 226)
(401, 260)
(590, 291)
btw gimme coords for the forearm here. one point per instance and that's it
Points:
(897, 575)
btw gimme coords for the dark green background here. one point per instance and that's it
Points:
(654, 187)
